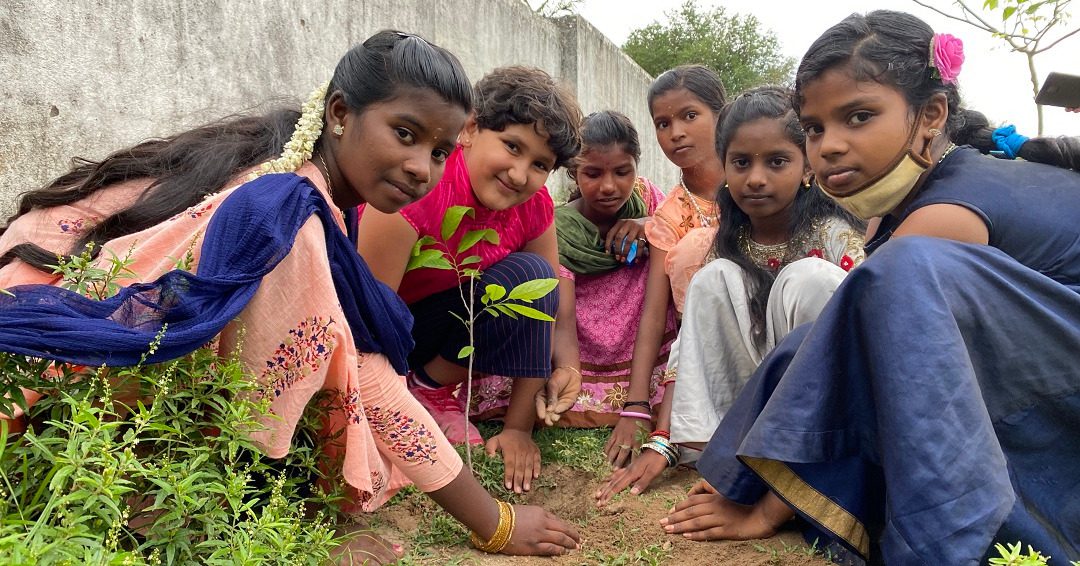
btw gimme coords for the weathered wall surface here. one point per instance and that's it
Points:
(86, 77)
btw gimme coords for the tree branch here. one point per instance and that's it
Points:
(1057, 41)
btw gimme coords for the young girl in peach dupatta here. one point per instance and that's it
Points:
(271, 262)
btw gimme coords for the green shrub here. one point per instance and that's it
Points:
(153, 464)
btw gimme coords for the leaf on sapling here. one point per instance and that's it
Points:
(529, 312)
(532, 290)
(471, 238)
(452, 219)
(494, 292)
(465, 352)
(470, 259)
(503, 309)
(428, 258)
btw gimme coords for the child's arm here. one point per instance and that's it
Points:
(560, 393)
(949, 221)
(650, 335)
(385, 242)
(520, 454)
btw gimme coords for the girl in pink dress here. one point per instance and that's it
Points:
(605, 215)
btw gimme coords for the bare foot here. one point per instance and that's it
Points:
(711, 516)
(363, 546)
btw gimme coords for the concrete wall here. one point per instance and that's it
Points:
(87, 77)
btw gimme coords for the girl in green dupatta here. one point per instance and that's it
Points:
(602, 253)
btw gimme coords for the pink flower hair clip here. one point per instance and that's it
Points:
(946, 57)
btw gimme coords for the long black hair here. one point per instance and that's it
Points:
(893, 49)
(605, 128)
(810, 204)
(186, 167)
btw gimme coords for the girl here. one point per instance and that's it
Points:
(781, 251)
(931, 409)
(606, 289)
(271, 261)
(524, 127)
(685, 104)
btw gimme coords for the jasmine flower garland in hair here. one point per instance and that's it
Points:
(302, 143)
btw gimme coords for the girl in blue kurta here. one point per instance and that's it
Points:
(932, 408)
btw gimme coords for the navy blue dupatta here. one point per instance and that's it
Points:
(252, 231)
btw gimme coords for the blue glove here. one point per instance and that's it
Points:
(1008, 141)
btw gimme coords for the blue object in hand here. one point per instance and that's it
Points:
(632, 254)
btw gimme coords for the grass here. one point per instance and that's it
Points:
(581, 449)
(794, 549)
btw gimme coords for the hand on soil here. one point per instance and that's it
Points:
(623, 440)
(521, 458)
(710, 516)
(645, 468)
(539, 533)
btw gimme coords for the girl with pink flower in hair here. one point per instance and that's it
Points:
(930, 411)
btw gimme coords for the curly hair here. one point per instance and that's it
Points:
(527, 95)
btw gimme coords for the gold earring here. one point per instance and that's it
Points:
(934, 132)
(339, 129)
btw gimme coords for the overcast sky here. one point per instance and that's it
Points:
(994, 80)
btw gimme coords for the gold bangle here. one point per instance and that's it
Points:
(502, 534)
(573, 369)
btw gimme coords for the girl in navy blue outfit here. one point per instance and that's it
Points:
(931, 409)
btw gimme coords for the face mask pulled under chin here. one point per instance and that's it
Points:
(882, 194)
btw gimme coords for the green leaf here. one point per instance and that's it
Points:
(473, 236)
(1007, 13)
(494, 292)
(528, 312)
(465, 352)
(502, 308)
(532, 290)
(428, 258)
(452, 219)
(991, 4)
(470, 259)
(426, 241)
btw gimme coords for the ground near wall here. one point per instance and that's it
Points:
(627, 532)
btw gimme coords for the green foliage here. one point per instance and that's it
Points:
(153, 463)
(431, 253)
(581, 449)
(736, 47)
(1012, 556)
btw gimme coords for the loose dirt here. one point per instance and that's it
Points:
(626, 532)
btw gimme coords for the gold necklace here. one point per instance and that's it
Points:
(706, 221)
(326, 175)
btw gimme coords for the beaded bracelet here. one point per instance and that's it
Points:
(637, 404)
(664, 451)
(662, 432)
(666, 448)
(502, 534)
(636, 415)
